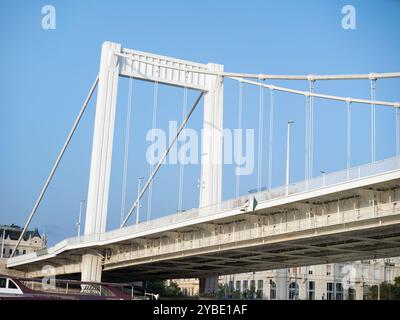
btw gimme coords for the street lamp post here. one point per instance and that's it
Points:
(138, 205)
(80, 218)
(288, 155)
(323, 177)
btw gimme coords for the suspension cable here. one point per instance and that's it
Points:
(260, 136)
(263, 76)
(151, 167)
(348, 134)
(373, 119)
(271, 132)
(319, 95)
(240, 110)
(126, 150)
(181, 165)
(57, 162)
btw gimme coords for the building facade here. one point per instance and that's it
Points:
(189, 286)
(9, 234)
(344, 281)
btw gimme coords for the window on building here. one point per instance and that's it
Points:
(339, 291)
(238, 285)
(329, 291)
(24, 252)
(253, 285)
(231, 288)
(272, 290)
(351, 294)
(9, 251)
(260, 288)
(17, 252)
(311, 290)
(388, 274)
(328, 270)
(260, 285)
(365, 292)
(245, 285)
(293, 291)
(310, 272)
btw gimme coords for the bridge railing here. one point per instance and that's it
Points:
(326, 180)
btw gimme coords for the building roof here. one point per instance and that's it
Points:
(13, 232)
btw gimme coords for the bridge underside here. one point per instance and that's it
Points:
(349, 246)
(381, 242)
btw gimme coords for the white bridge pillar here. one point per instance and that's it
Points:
(211, 156)
(100, 168)
(140, 65)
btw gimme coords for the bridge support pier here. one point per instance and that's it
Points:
(282, 284)
(91, 268)
(208, 285)
(100, 168)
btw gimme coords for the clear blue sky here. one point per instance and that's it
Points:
(47, 74)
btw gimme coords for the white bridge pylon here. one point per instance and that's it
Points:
(115, 62)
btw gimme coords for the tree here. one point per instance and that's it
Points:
(160, 287)
(396, 288)
(156, 287)
(222, 288)
(236, 294)
(385, 291)
(173, 290)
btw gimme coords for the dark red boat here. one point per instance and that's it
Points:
(12, 288)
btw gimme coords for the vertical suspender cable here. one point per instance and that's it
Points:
(126, 150)
(162, 158)
(151, 167)
(309, 149)
(260, 137)
(373, 120)
(348, 134)
(312, 82)
(307, 142)
(240, 110)
(397, 131)
(181, 165)
(271, 132)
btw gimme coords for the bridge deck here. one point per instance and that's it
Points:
(287, 228)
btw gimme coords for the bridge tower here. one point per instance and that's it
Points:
(117, 61)
(100, 168)
(211, 157)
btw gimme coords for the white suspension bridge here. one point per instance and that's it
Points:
(347, 215)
